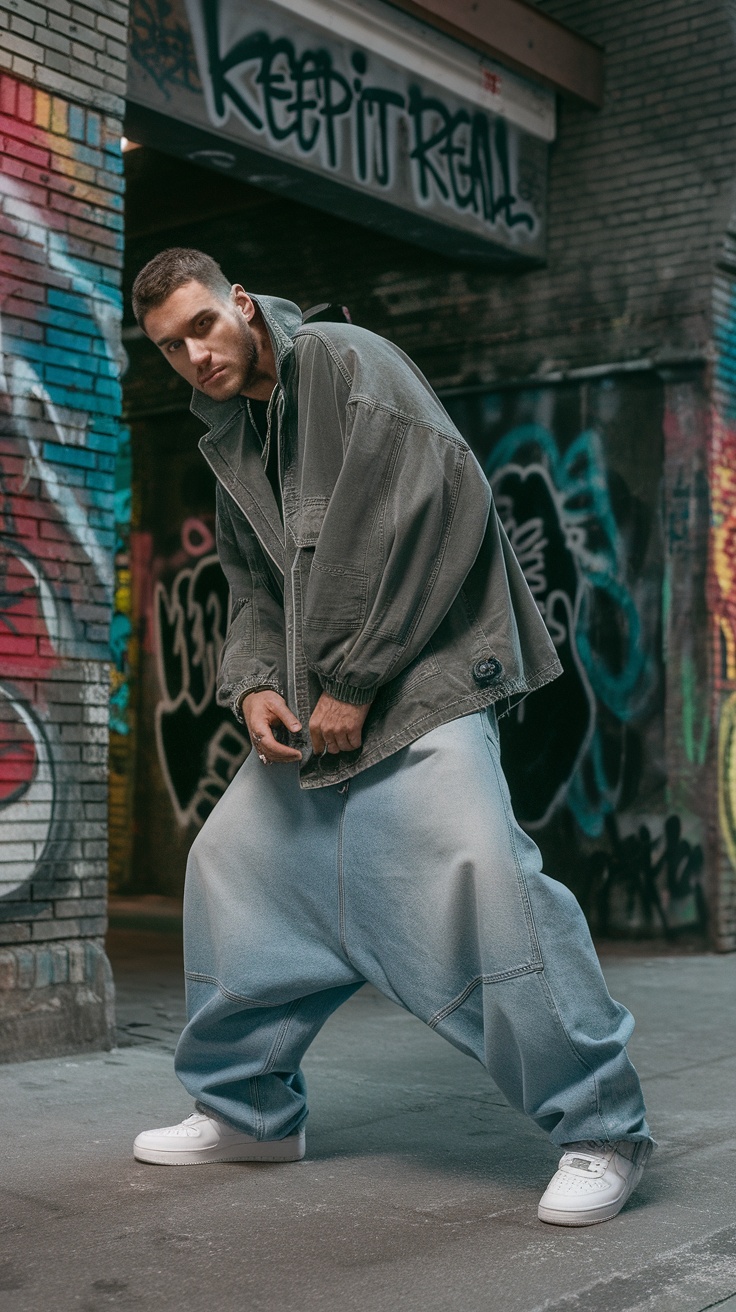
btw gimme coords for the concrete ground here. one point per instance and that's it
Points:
(419, 1190)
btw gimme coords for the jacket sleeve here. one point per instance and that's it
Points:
(253, 655)
(403, 527)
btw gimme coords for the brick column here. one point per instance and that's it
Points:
(60, 308)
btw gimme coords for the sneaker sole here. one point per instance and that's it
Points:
(595, 1215)
(291, 1149)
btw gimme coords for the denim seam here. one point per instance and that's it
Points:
(226, 993)
(521, 882)
(281, 1033)
(498, 978)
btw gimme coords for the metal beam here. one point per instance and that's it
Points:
(523, 38)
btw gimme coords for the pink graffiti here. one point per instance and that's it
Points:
(196, 537)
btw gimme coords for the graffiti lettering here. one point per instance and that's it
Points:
(324, 104)
(475, 151)
(199, 747)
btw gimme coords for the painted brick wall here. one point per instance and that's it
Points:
(722, 582)
(640, 196)
(61, 219)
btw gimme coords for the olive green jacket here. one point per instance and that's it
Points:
(391, 579)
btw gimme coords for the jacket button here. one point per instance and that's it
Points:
(488, 670)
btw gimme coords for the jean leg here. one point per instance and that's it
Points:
(448, 912)
(243, 1062)
(263, 961)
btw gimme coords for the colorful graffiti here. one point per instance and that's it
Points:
(556, 509)
(598, 769)
(723, 582)
(60, 208)
(200, 747)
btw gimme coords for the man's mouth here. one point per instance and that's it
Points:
(214, 373)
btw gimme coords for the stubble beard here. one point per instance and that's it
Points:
(251, 372)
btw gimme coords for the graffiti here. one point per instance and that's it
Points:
(121, 627)
(59, 400)
(324, 101)
(723, 483)
(162, 46)
(657, 880)
(457, 154)
(722, 474)
(199, 747)
(557, 511)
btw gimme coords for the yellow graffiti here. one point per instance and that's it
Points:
(727, 776)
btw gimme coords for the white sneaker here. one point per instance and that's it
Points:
(202, 1138)
(593, 1181)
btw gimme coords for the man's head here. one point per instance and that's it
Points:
(211, 333)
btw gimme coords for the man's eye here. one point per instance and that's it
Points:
(172, 346)
(204, 323)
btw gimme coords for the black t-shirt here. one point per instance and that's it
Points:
(259, 411)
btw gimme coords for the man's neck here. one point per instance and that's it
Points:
(265, 377)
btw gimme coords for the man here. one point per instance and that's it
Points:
(377, 615)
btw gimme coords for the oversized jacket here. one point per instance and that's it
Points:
(391, 579)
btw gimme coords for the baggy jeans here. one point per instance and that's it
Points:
(415, 877)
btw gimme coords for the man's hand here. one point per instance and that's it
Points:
(336, 726)
(261, 712)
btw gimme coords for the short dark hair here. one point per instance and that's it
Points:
(171, 269)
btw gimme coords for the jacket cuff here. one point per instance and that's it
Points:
(345, 692)
(236, 693)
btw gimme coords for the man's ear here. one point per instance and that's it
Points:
(242, 301)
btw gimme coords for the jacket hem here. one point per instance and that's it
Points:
(466, 705)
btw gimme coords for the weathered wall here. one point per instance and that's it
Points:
(586, 388)
(61, 219)
(578, 476)
(640, 197)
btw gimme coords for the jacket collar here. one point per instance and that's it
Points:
(282, 319)
(232, 448)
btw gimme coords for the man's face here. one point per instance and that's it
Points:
(209, 341)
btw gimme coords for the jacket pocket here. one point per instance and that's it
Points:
(335, 597)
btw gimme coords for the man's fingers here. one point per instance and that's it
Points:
(318, 742)
(281, 754)
(268, 746)
(262, 710)
(286, 717)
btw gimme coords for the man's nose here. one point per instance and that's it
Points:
(198, 351)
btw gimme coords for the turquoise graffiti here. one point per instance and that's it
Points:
(556, 508)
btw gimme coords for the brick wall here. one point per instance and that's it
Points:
(61, 218)
(640, 196)
(77, 51)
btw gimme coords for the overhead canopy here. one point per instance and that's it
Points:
(360, 109)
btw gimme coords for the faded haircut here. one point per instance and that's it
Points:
(171, 269)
